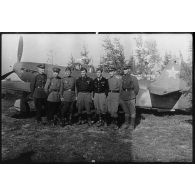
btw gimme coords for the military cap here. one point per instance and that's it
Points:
(41, 66)
(67, 69)
(55, 69)
(99, 69)
(112, 69)
(82, 69)
(127, 67)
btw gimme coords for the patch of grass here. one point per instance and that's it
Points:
(164, 138)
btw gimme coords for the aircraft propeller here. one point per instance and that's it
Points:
(19, 56)
(20, 49)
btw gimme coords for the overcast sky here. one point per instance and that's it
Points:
(37, 46)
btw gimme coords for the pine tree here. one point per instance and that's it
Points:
(71, 62)
(86, 61)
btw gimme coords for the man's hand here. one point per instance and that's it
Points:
(62, 99)
(76, 98)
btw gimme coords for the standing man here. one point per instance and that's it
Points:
(113, 96)
(67, 93)
(100, 88)
(84, 88)
(130, 89)
(52, 87)
(38, 93)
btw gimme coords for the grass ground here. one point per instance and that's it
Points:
(157, 138)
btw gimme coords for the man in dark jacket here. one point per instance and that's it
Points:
(128, 93)
(38, 93)
(84, 88)
(100, 89)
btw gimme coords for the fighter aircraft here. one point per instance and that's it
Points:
(163, 94)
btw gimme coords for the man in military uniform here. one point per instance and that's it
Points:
(130, 89)
(67, 93)
(100, 89)
(52, 87)
(84, 88)
(113, 96)
(38, 93)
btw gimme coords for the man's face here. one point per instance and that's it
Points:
(41, 70)
(55, 74)
(83, 73)
(67, 73)
(126, 71)
(111, 73)
(99, 73)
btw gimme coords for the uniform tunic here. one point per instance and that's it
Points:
(39, 95)
(113, 95)
(130, 89)
(67, 91)
(37, 86)
(84, 86)
(53, 87)
(100, 87)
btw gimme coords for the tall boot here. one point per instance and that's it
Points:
(99, 123)
(132, 123)
(62, 122)
(104, 120)
(70, 119)
(114, 123)
(89, 119)
(79, 120)
(126, 123)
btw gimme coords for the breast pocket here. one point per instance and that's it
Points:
(102, 84)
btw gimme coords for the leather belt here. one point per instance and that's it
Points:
(84, 92)
(114, 91)
(99, 92)
(56, 90)
(126, 89)
(69, 90)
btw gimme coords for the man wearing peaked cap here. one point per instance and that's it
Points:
(38, 93)
(68, 69)
(113, 96)
(52, 88)
(55, 69)
(111, 69)
(67, 93)
(83, 69)
(41, 66)
(128, 93)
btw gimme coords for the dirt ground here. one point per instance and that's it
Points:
(156, 138)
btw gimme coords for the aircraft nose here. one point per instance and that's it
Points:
(18, 69)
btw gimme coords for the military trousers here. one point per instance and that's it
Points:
(128, 107)
(40, 105)
(66, 108)
(84, 101)
(53, 108)
(112, 104)
(100, 103)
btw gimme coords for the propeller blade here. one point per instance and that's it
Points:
(20, 49)
(6, 75)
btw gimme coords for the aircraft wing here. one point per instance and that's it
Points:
(14, 86)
